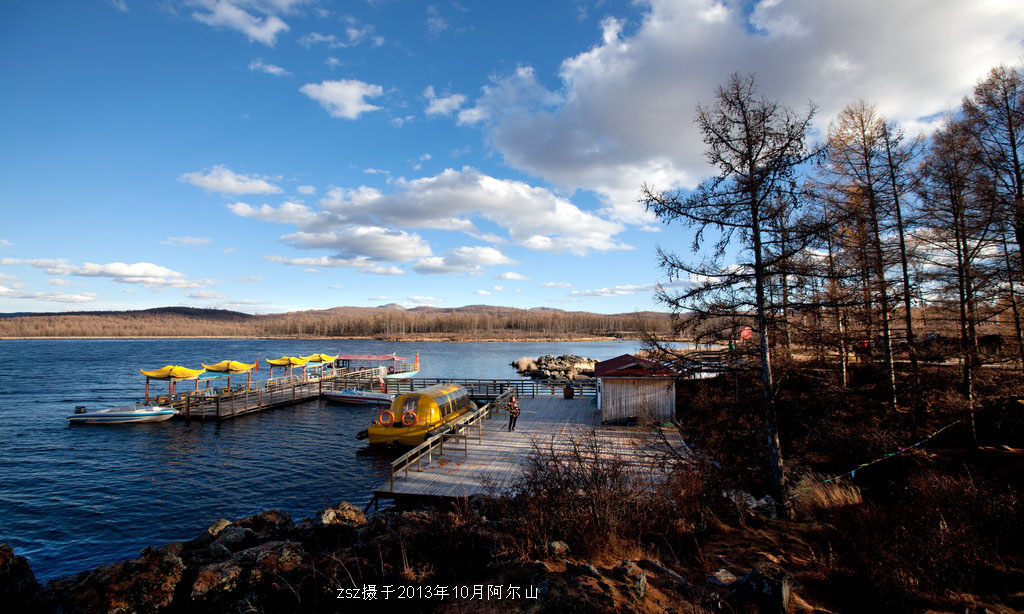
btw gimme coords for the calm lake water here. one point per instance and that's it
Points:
(73, 497)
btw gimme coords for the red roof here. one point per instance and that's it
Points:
(628, 365)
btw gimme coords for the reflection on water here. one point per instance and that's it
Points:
(72, 497)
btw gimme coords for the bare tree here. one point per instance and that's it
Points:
(756, 145)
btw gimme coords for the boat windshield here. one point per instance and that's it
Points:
(410, 402)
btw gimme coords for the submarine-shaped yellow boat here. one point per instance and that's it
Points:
(414, 416)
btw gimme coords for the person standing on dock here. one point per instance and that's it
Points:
(513, 414)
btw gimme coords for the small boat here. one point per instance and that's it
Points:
(390, 365)
(355, 396)
(414, 416)
(139, 412)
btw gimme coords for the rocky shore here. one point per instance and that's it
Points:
(341, 560)
(567, 366)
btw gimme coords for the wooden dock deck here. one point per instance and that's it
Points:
(486, 458)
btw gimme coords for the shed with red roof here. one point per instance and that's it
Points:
(632, 388)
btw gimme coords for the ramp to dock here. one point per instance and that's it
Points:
(487, 458)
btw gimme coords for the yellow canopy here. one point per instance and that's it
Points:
(172, 372)
(319, 358)
(230, 366)
(285, 361)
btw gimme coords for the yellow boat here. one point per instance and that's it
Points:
(414, 416)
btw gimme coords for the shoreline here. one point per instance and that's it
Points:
(438, 338)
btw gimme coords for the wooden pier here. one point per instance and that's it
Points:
(223, 404)
(478, 455)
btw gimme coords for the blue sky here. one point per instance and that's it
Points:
(277, 155)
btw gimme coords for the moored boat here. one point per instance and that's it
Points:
(392, 366)
(139, 412)
(355, 396)
(414, 416)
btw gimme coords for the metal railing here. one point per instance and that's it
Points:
(457, 430)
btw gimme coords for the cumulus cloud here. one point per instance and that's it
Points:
(360, 263)
(623, 113)
(5, 243)
(534, 217)
(354, 33)
(512, 275)
(482, 292)
(54, 297)
(306, 190)
(57, 281)
(270, 69)
(371, 241)
(462, 260)
(249, 278)
(345, 98)
(222, 179)
(144, 273)
(615, 291)
(230, 14)
(423, 300)
(556, 284)
(442, 105)
(287, 213)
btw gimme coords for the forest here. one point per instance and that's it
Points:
(390, 322)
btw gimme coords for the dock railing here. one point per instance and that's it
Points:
(456, 430)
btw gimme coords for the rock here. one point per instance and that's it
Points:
(583, 569)
(275, 560)
(206, 537)
(219, 577)
(767, 587)
(558, 549)
(344, 514)
(681, 582)
(721, 578)
(18, 586)
(567, 366)
(271, 523)
(538, 567)
(634, 577)
(745, 502)
(236, 538)
(146, 584)
(217, 551)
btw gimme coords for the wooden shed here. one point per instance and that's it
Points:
(635, 389)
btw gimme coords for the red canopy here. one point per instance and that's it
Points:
(377, 357)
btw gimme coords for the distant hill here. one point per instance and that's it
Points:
(389, 321)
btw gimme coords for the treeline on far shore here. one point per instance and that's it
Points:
(390, 322)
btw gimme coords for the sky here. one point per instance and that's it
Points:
(280, 155)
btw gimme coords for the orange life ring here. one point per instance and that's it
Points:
(386, 418)
(409, 418)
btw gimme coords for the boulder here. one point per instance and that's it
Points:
(558, 549)
(344, 514)
(236, 538)
(18, 586)
(270, 523)
(766, 587)
(634, 577)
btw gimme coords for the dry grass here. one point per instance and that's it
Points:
(833, 495)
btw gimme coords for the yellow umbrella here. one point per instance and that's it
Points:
(232, 367)
(171, 373)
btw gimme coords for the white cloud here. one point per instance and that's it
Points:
(306, 190)
(623, 113)
(462, 260)
(375, 171)
(354, 33)
(435, 22)
(534, 217)
(370, 241)
(54, 297)
(345, 98)
(499, 288)
(318, 271)
(144, 273)
(512, 275)
(625, 290)
(5, 243)
(335, 287)
(332, 62)
(270, 69)
(228, 14)
(120, 5)
(222, 179)
(205, 295)
(287, 213)
(57, 281)
(482, 292)
(423, 300)
(379, 298)
(556, 284)
(360, 263)
(186, 241)
(442, 105)
(249, 278)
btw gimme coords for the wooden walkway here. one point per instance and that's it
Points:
(489, 458)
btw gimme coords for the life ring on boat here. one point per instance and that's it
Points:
(391, 369)
(409, 418)
(386, 418)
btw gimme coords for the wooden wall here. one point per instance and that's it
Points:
(647, 399)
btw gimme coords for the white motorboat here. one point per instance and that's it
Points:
(139, 412)
(356, 396)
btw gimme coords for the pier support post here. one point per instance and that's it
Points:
(218, 407)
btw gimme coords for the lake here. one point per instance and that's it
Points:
(73, 497)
